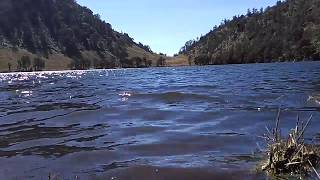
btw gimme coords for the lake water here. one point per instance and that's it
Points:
(157, 123)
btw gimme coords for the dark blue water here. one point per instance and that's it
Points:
(158, 123)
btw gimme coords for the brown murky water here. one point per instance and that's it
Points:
(162, 123)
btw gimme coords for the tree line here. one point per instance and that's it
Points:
(26, 64)
(134, 62)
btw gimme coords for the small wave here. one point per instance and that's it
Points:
(112, 166)
(57, 106)
(47, 151)
(237, 159)
(23, 133)
(172, 97)
(230, 134)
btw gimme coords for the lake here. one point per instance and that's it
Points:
(157, 123)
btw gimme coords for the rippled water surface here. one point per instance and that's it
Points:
(161, 123)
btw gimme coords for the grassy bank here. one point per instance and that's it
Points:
(58, 61)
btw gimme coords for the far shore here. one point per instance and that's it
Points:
(114, 69)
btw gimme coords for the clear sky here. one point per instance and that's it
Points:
(165, 25)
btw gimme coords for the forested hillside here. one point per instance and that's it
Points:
(288, 31)
(65, 35)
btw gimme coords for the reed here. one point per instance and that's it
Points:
(290, 155)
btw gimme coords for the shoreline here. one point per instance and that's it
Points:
(88, 70)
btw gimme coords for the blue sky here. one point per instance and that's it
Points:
(165, 25)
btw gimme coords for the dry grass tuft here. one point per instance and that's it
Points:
(290, 155)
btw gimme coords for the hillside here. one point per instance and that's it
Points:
(288, 31)
(64, 35)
